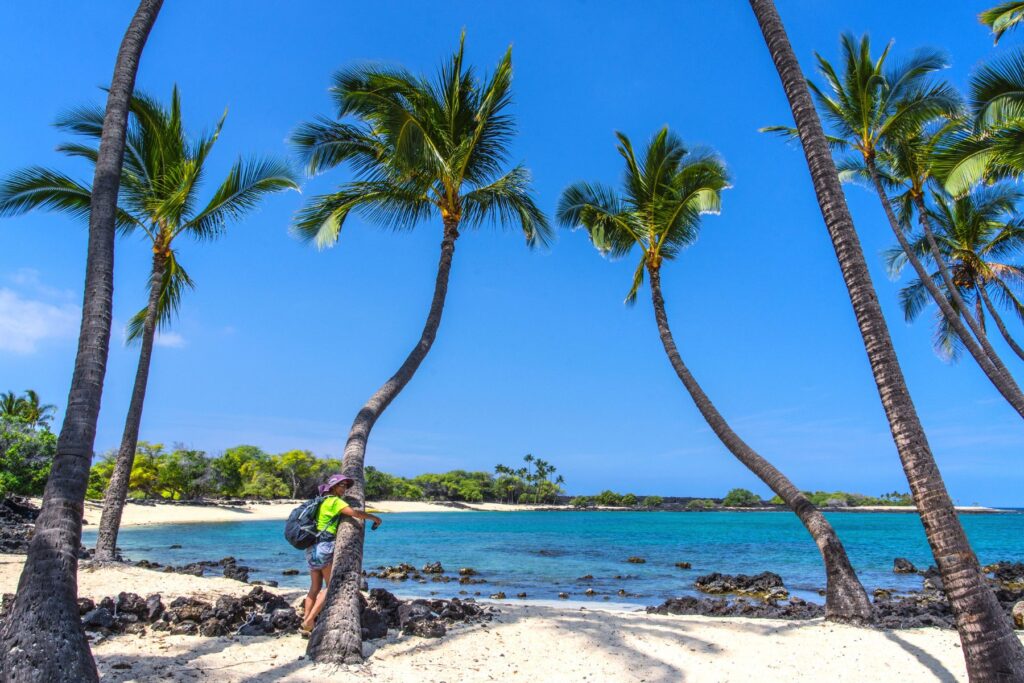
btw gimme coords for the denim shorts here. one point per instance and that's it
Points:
(320, 554)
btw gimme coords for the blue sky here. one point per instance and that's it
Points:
(281, 344)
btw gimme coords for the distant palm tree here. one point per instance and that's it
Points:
(1002, 18)
(874, 108)
(975, 235)
(419, 149)
(42, 638)
(991, 649)
(35, 412)
(665, 192)
(10, 405)
(160, 180)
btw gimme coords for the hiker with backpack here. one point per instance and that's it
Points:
(312, 526)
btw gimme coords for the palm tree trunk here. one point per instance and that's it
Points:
(337, 637)
(42, 639)
(977, 343)
(117, 489)
(845, 599)
(991, 649)
(999, 323)
(977, 326)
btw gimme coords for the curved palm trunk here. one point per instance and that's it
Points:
(42, 639)
(991, 649)
(845, 601)
(337, 637)
(999, 323)
(117, 489)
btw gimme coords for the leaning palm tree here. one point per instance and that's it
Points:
(160, 182)
(1003, 17)
(42, 638)
(665, 192)
(975, 234)
(419, 149)
(872, 108)
(991, 649)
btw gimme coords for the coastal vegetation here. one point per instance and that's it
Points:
(945, 170)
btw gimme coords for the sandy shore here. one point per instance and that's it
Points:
(139, 514)
(529, 643)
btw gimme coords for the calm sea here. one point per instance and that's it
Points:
(543, 553)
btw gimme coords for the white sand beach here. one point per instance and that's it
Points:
(528, 643)
(141, 514)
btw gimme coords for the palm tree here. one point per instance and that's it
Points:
(991, 649)
(419, 149)
(42, 639)
(160, 180)
(665, 192)
(874, 109)
(975, 234)
(10, 405)
(1003, 17)
(35, 412)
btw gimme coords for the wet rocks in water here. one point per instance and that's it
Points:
(174, 547)
(399, 572)
(932, 579)
(433, 568)
(1017, 612)
(683, 565)
(500, 595)
(467, 571)
(766, 585)
(587, 577)
(902, 565)
(563, 595)
(1008, 575)
(722, 607)
(521, 595)
(290, 572)
(636, 560)
(590, 591)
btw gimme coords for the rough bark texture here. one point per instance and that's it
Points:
(43, 639)
(991, 649)
(846, 600)
(337, 637)
(117, 489)
(999, 323)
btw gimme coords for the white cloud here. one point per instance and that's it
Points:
(25, 322)
(171, 340)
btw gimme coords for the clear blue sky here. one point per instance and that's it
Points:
(280, 344)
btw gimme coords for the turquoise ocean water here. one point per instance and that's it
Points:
(544, 553)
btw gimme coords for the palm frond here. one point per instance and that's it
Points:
(507, 201)
(248, 182)
(173, 284)
(1002, 17)
(598, 210)
(997, 90)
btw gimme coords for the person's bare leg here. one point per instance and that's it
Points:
(316, 577)
(310, 617)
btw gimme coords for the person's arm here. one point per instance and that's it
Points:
(359, 514)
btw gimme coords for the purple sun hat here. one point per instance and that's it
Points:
(333, 481)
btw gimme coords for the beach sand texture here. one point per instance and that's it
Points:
(136, 514)
(528, 643)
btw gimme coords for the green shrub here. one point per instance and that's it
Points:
(608, 499)
(652, 501)
(629, 500)
(26, 453)
(700, 504)
(741, 498)
(582, 502)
